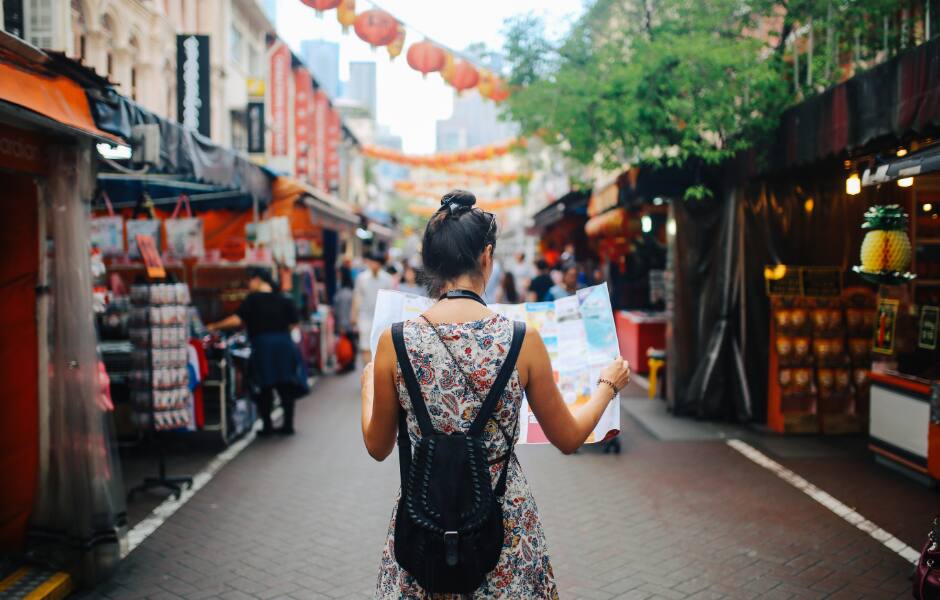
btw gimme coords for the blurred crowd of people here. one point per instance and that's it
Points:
(518, 279)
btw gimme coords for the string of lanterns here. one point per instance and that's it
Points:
(445, 159)
(379, 28)
(426, 210)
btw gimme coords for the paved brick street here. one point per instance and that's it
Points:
(306, 518)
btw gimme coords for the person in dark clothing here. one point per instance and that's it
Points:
(276, 363)
(541, 283)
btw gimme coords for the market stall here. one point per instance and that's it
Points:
(62, 498)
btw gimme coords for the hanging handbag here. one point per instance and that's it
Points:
(927, 573)
(184, 235)
(107, 233)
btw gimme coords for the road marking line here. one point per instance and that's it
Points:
(846, 513)
(165, 510)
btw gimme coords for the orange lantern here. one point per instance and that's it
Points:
(500, 91)
(346, 14)
(447, 71)
(376, 27)
(485, 85)
(465, 76)
(322, 5)
(426, 57)
(395, 48)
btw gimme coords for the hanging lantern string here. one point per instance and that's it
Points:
(414, 30)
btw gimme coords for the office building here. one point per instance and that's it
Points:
(322, 58)
(361, 85)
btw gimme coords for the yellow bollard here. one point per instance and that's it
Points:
(655, 365)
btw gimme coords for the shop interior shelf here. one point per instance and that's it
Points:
(930, 241)
(927, 282)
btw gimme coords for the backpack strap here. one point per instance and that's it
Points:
(411, 382)
(502, 379)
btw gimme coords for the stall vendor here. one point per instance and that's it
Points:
(276, 362)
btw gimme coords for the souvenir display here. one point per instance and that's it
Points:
(159, 333)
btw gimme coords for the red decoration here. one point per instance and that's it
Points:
(426, 57)
(376, 27)
(500, 91)
(322, 5)
(465, 76)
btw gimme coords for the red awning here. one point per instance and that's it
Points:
(52, 96)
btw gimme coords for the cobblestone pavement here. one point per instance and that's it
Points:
(306, 517)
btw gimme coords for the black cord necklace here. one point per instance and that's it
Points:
(465, 294)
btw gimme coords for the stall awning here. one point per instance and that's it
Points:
(39, 95)
(919, 163)
(897, 98)
(574, 202)
(325, 207)
(124, 190)
(183, 152)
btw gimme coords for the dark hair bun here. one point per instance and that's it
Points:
(458, 199)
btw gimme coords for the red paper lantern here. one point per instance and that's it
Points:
(426, 57)
(322, 5)
(376, 27)
(500, 91)
(465, 76)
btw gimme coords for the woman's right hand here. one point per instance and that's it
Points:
(617, 372)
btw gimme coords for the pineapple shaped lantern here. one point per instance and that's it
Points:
(886, 249)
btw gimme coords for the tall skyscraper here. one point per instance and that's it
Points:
(361, 85)
(322, 58)
(474, 122)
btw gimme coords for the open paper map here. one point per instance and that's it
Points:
(578, 331)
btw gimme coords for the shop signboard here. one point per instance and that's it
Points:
(303, 122)
(256, 127)
(334, 136)
(822, 282)
(927, 336)
(193, 100)
(813, 282)
(280, 74)
(885, 323)
(320, 139)
(21, 150)
(783, 280)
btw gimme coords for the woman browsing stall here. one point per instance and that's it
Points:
(276, 362)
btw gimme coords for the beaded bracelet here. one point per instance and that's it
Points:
(610, 383)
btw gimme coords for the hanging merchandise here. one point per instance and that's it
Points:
(346, 14)
(465, 76)
(321, 5)
(150, 227)
(376, 27)
(426, 57)
(886, 249)
(184, 236)
(107, 233)
(395, 48)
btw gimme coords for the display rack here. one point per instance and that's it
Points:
(159, 380)
(820, 345)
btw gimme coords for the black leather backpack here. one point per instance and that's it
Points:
(449, 528)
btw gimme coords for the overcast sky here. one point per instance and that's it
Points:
(407, 104)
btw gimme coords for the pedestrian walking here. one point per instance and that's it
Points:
(342, 312)
(276, 362)
(507, 292)
(523, 271)
(409, 282)
(449, 360)
(541, 283)
(570, 283)
(365, 292)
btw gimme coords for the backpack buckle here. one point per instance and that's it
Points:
(451, 556)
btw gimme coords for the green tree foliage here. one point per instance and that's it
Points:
(670, 81)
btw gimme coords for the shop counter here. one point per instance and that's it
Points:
(900, 428)
(638, 331)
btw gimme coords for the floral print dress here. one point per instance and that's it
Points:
(523, 570)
